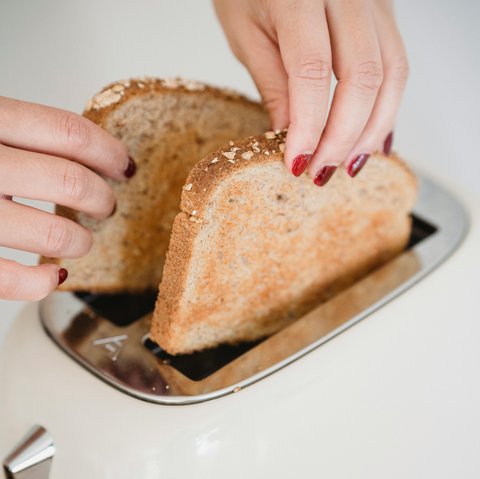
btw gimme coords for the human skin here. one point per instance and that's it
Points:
(57, 156)
(293, 47)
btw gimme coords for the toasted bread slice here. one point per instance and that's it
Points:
(254, 247)
(167, 126)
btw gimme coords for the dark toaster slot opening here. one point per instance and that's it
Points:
(200, 365)
(120, 309)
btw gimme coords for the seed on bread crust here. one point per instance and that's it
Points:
(247, 155)
(104, 99)
(229, 154)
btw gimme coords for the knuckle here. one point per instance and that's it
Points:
(73, 130)
(59, 237)
(400, 70)
(367, 77)
(273, 99)
(75, 183)
(314, 70)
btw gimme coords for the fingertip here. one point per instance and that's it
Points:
(42, 281)
(56, 276)
(130, 169)
(388, 144)
(300, 163)
(62, 276)
(356, 164)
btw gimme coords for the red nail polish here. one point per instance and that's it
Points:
(300, 162)
(357, 164)
(387, 144)
(324, 175)
(131, 168)
(62, 275)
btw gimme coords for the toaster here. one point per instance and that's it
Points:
(84, 393)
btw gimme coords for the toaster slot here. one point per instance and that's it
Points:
(200, 365)
(120, 309)
(108, 334)
(421, 230)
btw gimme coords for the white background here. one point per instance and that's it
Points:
(60, 52)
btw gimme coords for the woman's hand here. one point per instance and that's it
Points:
(291, 48)
(49, 154)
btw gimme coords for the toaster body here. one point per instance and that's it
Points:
(312, 400)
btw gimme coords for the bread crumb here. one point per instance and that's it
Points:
(215, 160)
(281, 147)
(194, 212)
(247, 155)
(278, 131)
(188, 187)
(270, 135)
(238, 388)
(266, 152)
(231, 161)
(231, 143)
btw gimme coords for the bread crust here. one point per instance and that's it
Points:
(86, 274)
(169, 323)
(117, 93)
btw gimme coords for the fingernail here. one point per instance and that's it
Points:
(62, 275)
(324, 175)
(131, 168)
(357, 164)
(300, 162)
(387, 144)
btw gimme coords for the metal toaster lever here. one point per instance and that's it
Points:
(32, 456)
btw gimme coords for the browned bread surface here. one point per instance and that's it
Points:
(254, 248)
(167, 126)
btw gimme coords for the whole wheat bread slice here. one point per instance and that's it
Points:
(253, 247)
(167, 126)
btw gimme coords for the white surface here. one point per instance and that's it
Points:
(395, 397)
(60, 52)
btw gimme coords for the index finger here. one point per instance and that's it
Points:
(61, 133)
(305, 49)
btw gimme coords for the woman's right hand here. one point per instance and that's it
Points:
(57, 156)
